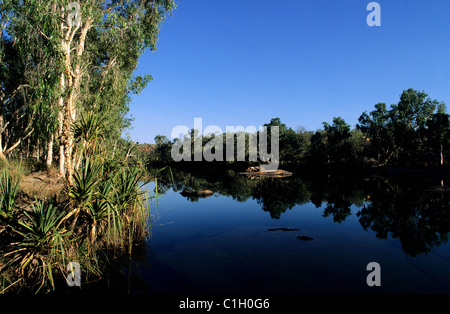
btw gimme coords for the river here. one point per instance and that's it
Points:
(296, 235)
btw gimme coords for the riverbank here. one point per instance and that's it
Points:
(46, 223)
(305, 169)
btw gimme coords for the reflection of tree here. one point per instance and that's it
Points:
(401, 210)
(420, 220)
(278, 195)
(226, 183)
(339, 210)
(339, 192)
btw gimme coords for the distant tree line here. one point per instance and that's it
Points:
(412, 133)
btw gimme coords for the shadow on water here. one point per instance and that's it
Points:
(414, 210)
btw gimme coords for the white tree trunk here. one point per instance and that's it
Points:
(49, 159)
(70, 82)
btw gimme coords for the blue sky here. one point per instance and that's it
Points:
(243, 62)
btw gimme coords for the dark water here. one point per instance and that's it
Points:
(297, 235)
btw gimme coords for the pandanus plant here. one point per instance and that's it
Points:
(129, 182)
(100, 213)
(87, 131)
(42, 247)
(9, 189)
(84, 188)
(129, 202)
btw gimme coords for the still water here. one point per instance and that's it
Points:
(296, 235)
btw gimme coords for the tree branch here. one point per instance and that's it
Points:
(7, 151)
(113, 7)
(14, 94)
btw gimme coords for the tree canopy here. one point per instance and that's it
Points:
(60, 59)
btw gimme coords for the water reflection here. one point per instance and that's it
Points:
(401, 208)
(419, 219)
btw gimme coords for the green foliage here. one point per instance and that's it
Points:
(375, 127)
(30, 73)
(105, 214)
(128, 185)
(438, 135)
(338, 144)
(40, 250)
(86, 182)
(42, 220)
(162, 151)
(48, 67)
(408, 132)
(293, 145)
(317, 153)
(9, 189)
(88, 131)
(413, 132)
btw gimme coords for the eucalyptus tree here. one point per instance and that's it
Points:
(102, 42)
(43, 63)
(89, 51)
(13, 87)
(28, 67)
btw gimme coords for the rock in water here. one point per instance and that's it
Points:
(304, 238)
(284, 229)
(199, 193)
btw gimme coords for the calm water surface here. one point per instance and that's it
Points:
(229, 242)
